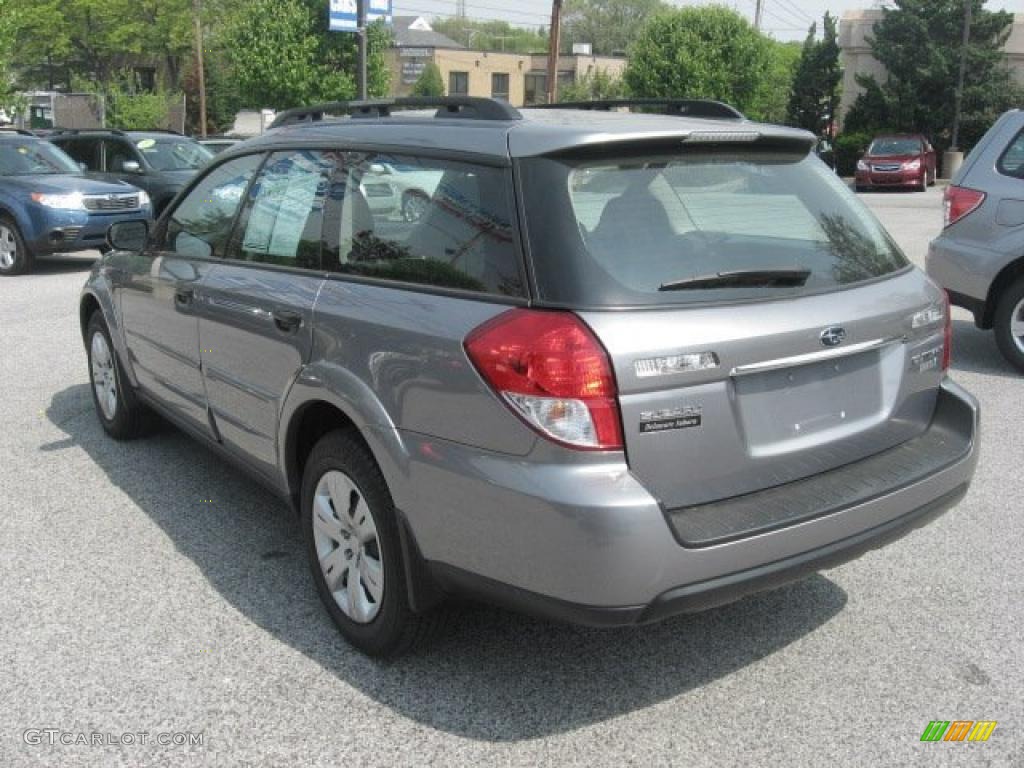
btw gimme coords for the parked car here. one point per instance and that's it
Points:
(897, 161)
(979, 256)
(47, 206)
(624, 366)
(217, 144)
(410, 187)
(160, 162)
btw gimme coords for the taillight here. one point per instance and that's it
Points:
(957, 202)
(553, 373)
(947, 336)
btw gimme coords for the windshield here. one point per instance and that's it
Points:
(173, 154)
(34, 158)
(887, 147)
(641, 225)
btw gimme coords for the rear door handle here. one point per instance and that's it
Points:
(287, 321)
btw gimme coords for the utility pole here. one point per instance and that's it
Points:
(758, 14)
(960, 78)
(554, 41)
(361, 32)
(197, 12)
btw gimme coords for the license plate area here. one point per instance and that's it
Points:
(808, 406)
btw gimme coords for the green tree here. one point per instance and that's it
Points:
(273, 56)
(492, 35)
(709, 52)
(429, 84)
(773, 95)
(593, 86)
(609, 25)
(918, 42)
(814, 98)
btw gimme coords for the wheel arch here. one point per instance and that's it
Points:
(1006, 277)
(322, 413)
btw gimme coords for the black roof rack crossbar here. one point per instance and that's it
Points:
(19, 131)
(74, 131)
(469, 107)
(678, 107)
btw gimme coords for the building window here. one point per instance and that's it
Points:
(499, 86)
(536, 88)
(458, 83)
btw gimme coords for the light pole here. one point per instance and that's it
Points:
(958, 104)
(554, 39)
(197, 12)
(361, 32)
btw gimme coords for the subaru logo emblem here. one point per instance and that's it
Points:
(833, 336)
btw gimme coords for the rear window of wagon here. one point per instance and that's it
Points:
(612, 231)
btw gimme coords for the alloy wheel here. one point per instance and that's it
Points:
(348, 547)
(8, 247)
(104, 377)
(1017, 325)
(413, 207)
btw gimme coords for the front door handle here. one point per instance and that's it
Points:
(287, 321)
(185, 295)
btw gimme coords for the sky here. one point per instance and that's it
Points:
(783, 19)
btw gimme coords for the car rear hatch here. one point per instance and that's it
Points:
(762, 326)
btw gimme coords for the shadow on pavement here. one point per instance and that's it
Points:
(975, 351)
(492, 675)
(58, 265)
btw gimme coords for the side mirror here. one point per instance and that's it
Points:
(128, 235)
(131, 166)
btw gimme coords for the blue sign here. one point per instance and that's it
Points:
(344, 16)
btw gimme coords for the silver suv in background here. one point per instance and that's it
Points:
(620, 366)
(979, 257)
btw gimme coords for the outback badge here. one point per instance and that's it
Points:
(666, 419)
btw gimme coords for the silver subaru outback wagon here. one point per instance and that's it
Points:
(621, 366)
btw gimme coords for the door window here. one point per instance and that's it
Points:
(117, 154)
(285, 211)
(83, 151)
(201, 224)
(443, 223)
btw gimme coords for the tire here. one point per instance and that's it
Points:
(15, 256)
(923, 186)
(350, 527)
(860, 188)
(414, 205)
(1009, 324)
(120, 413)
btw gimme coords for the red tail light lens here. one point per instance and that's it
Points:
(553, 373)
(947, 340)
(957, 202)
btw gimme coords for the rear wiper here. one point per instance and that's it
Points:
(786, 277)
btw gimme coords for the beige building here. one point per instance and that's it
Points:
(855, 52)
(518, 78)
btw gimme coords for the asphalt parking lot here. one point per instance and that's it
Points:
(150, 588)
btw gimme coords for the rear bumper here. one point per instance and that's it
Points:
(589, 545)
(965, 270)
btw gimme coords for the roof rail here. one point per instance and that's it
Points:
(157, 130)
(19, 131)
(74, 131)
(678, 107)
(469, 107)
